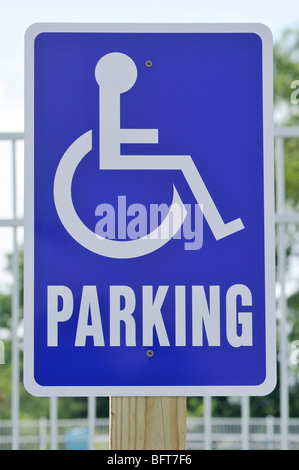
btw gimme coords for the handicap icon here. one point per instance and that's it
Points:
(116, 73)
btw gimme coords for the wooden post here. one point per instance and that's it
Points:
(148, 423)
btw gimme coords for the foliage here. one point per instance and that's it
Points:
(5, 310)
(5, 387)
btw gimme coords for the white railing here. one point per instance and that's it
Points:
(72, 434)
(284, 432)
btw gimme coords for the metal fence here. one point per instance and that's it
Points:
(209, 432)
(73, 434)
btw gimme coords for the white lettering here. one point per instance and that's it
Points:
(56, 315)
(209, 316)
(89, 304)
(180, 315)
(118, 315)
(233, 317)
(148, 310)
(152, 317)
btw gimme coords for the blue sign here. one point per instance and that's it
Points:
(149, 224)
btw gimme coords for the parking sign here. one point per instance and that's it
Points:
(149, 214)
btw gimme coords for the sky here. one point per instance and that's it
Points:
(17, 15)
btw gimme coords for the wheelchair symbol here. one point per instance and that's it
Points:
(115, 74)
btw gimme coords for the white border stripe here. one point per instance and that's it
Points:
(270, 381)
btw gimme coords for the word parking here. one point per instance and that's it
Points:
(123, 306)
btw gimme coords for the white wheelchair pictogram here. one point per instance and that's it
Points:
(116, 73)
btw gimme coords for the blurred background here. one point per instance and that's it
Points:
(270, 422)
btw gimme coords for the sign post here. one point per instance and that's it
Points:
(149, 216)
(148, 423)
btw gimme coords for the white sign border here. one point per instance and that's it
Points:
(269, 222)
